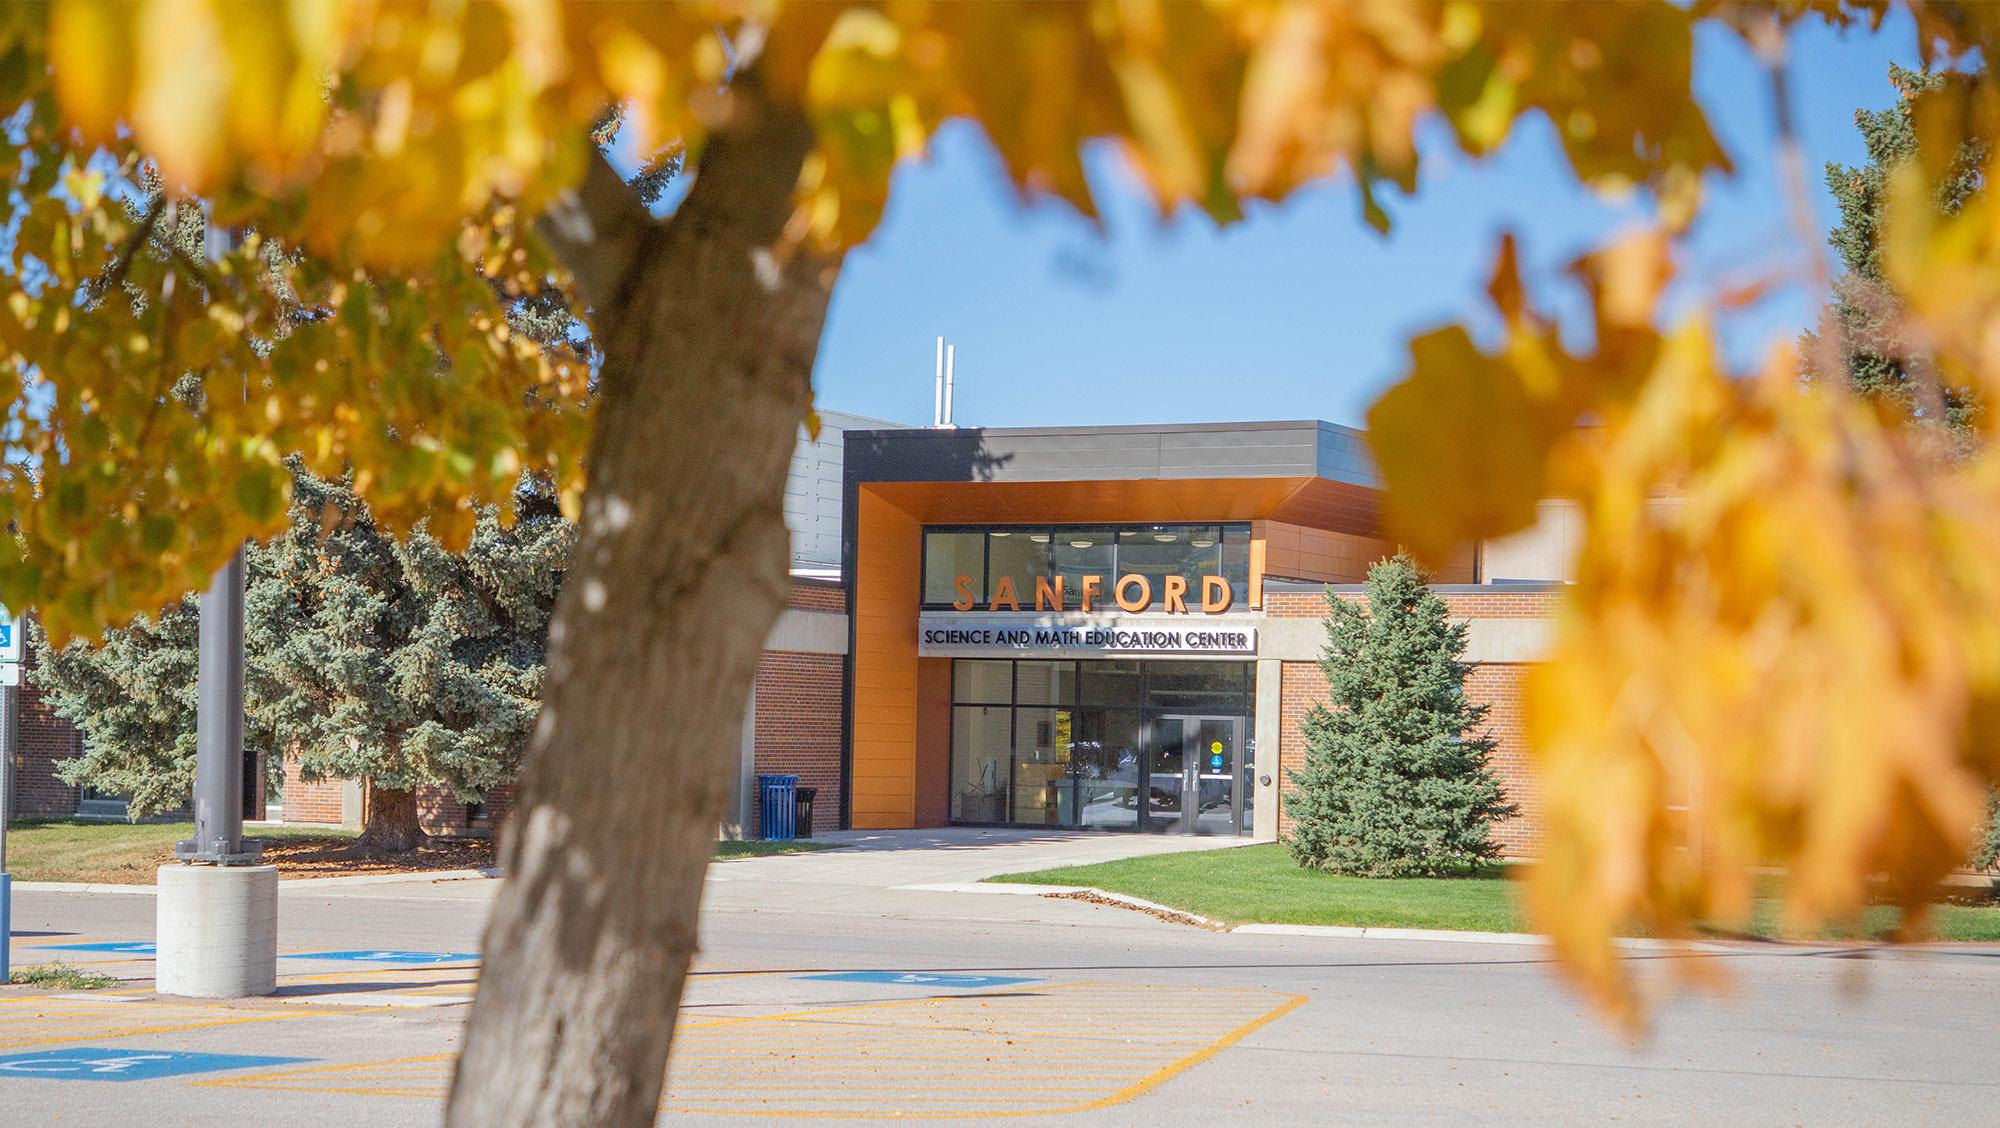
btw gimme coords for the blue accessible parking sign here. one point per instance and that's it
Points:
(389, 956)
(94, 1063)
(922, 978)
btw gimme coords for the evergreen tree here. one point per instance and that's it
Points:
(1864, 315)
(394, 662)
(1393, 784)
(1986, 851)
(133, 699)
(398, 662)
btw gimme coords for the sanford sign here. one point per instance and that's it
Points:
(1132, 593)
(1071, 634)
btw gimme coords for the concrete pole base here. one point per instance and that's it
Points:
(217, 932)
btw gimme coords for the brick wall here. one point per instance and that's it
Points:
(443, 814)
(44, 739)
(817, 595)
(798, 726)
(319, 803)
(1497, 686)
(315, 802)
(1497, 604)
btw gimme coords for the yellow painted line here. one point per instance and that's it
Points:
(435, 1069)
(62, 1020)
(795, 1015)
(1193, 1060)
(856, 1061)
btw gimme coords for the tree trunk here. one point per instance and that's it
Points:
(680, 570)
(392, 824)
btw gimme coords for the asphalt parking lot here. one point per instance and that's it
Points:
(912, 1002)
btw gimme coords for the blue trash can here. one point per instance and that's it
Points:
(776, 795)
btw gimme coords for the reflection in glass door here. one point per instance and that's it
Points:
(1193, 769)
(1166, 777)
(1213, 742)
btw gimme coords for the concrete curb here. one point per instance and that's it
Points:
(1153, 909)
(302, 883)
(414, 876)
(1330, 931)
(1087, 893)
(1003, 888)
(1448, 936)
(79, 887)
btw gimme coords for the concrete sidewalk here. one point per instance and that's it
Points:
(898, 873)
(886, 859)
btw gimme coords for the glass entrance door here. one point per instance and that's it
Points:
(1193, 768)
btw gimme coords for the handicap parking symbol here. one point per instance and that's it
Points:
(95, 1063)
(922, 978)
(389, 956)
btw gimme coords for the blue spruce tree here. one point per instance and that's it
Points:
(1394, 784)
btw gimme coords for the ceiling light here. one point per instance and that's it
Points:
(1039, 538)
(1203, 542)
(998, 533)
(1166, 538)
(1082, 544)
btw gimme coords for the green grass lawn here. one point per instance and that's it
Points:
(121, 853)
(757, 848)
(110, 853)
(1262, 884)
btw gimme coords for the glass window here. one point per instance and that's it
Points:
(979, 755)
(1021, 555)
(1045, 683)
(1188, 551)
(1042, 794)
(1236, 565)
(975, 682)
(1085, 552)
(1198, 687)
(1113, 682)
(948, 556)
(1104, 761)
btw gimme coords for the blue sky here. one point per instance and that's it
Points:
(1301, 311)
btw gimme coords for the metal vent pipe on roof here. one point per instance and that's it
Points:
(937, 409)
(950, 352)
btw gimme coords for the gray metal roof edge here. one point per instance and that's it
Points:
(832, 413)
(1525, 587)
(1118, 429)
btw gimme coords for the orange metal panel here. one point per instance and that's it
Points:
(1317, 501)
(888, 547)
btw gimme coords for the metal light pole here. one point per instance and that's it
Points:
(218, 747)
(217, 931)
(10, 740)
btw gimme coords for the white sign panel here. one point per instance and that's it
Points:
(10, 638)
(10, 673)
(958, 635)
